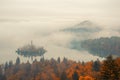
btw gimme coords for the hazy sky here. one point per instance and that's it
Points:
(106, 12)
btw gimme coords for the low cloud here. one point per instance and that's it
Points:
(56, 41)
(6, 20)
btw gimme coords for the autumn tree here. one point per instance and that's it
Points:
(110, 70)
(118, 63)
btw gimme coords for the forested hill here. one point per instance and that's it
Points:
(101, 47)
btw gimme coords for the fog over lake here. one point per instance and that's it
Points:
(42, 21)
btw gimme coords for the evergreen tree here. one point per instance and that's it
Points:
(75, 76)
(83, 63)
(10, 64)
(42, 59)
(65, 60)
(58, 60)
(96, 65)
(63, 76)
(110, 70)
(6, 66)
(17, 61)
(3, 77)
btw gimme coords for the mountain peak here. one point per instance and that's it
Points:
(86, 23)
(84, 26)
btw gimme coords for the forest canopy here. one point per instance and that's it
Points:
(65, 69)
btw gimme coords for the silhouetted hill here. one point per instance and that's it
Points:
(101, 47)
